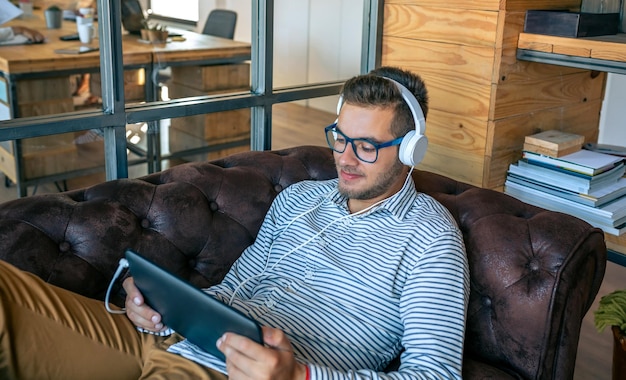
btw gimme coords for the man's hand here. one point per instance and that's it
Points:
(246, 359)
(137, 311)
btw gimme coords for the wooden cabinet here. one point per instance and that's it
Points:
(47, 158)
(483, 100)
(214, 129)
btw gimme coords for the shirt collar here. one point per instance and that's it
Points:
(399, 204)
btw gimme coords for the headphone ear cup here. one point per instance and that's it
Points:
(412, 148)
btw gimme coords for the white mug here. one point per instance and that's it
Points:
(85, 33)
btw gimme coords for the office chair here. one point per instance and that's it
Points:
(221, 23)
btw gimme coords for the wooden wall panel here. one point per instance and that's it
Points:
(456, 131)
(464, 63)
(458, 78)
(519, 98)
(494, 5)
(454, 163)
(471, 27)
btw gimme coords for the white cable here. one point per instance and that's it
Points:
(122, 265)
(267, 261)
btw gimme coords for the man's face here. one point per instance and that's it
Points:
(366, 183)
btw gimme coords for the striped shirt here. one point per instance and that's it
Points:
(352, 291)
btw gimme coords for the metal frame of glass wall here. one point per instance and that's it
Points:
(114, 115)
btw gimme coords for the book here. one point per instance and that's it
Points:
(613, 213)
(594, 199)
(612, 225)
(553, 143)
(549, 151)
(564, 180)
(551, 168)
(583, 161)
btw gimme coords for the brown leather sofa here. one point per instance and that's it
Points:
(534, 273)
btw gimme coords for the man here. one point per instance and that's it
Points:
(344, 275)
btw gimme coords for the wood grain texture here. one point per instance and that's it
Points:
(471, 27)
(454, 163)
(536, 94)
(494, 5)
(603, 47)
(458, 77)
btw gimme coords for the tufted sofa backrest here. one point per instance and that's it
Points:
(534, 273)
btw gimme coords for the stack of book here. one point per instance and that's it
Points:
(587, 184)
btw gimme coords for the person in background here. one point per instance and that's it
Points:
(8, 11)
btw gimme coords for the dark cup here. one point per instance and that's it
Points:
(54, 18)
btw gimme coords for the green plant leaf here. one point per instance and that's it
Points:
(611, 311)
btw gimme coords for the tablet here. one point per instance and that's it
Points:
(188, 310)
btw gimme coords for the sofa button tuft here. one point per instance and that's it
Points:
(145, 223)
(487, 301)
(533, 265)
(213, 206)
(64, 247)
(278, 188)
(192, 263)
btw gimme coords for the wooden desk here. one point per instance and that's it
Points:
(40, 58)
(18, 62)
(34, 81)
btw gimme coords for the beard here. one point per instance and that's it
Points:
(381, 185)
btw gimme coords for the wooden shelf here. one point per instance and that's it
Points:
(603, 53)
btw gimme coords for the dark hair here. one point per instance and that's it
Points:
(373, 90)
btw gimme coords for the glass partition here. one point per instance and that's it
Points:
(64, 161)
(317, 41)
(203, 137)
(300, 123)
(191, 96)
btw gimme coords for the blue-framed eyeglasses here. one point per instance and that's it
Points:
(365, 150)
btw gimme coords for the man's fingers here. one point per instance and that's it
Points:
(137, 311)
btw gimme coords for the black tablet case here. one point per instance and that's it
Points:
(188, 310)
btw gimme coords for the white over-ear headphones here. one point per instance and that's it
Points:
(414, 144)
